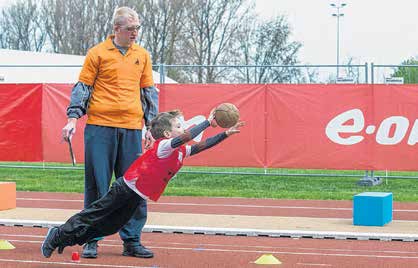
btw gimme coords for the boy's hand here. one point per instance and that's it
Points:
(211, 118)
(235, 129)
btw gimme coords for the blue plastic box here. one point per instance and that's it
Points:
(372, 208)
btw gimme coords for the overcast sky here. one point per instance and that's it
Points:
(379, 31)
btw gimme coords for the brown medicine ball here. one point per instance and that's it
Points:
(226, 115)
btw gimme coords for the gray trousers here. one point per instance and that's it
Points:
(108, 150)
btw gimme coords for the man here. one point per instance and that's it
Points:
(117, 92)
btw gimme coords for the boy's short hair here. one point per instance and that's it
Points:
(162, 122)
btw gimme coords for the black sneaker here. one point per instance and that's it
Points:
(90, 250)
(51, 242)
(136, 250)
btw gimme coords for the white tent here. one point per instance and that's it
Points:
(22, 67)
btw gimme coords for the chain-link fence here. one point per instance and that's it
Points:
(393, 74)
(227, 74)
(263, 74)
(290, 74)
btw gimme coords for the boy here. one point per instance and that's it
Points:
(145, 179)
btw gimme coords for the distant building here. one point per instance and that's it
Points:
(41, 67)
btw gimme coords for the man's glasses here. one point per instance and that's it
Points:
(132, 28)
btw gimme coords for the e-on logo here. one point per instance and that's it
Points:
(337, 126)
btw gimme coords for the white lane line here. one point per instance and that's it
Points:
(250, 206)
(74, 264)
(313, 264)
(51, 200)
(261, 251)
(295, 253)
(196, 204)
(201, 245)
(115, 242)
(217, 205)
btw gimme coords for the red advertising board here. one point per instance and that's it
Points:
(247, 148)
(342, 127)
(56, 98)
(366, 127)
(20, 117)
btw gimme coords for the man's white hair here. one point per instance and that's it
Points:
(122, 14)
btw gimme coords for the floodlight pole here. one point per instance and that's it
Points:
(338, 15)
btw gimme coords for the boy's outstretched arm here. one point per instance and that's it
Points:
(190, 134)
(212, 141)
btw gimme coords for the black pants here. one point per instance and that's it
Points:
(111, 150)
(103, 217)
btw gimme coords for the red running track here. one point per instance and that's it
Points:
(187, 251)
(191, 251)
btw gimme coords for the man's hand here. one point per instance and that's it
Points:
(149, 140)
(235, 129)
(69, 129)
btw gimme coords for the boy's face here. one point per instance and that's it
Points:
(176, 128)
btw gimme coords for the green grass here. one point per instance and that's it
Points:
(227, 185)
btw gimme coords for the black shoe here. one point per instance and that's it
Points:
(136, 250)
(51, 242)
(90, 250)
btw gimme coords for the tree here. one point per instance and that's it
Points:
(73, 26)
(162, 21)
(21, 27)
(210, 32)
(268, 43)
(409, 73)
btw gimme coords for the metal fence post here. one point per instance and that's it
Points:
(366, 74)
(162, 76)
(372, 72)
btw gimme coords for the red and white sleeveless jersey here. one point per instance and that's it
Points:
(151, 174)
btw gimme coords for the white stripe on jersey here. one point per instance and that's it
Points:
(165, 150)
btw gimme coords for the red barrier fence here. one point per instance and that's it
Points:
(367, 127)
